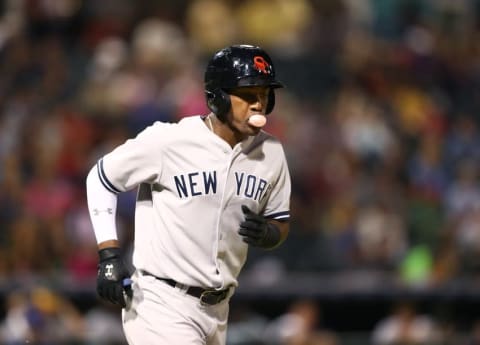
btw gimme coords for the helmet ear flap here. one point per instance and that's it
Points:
(270, 102)
(218, 102)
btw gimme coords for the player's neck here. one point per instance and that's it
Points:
(224, 130)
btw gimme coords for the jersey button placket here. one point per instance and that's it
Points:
(229, 157)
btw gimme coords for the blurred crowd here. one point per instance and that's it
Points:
(380, 122)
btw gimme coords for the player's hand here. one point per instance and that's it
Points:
(112, 279)
(257, 231)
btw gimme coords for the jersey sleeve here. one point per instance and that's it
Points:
(278, 205)
(135, 161)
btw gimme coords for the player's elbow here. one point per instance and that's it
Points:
(91, 176)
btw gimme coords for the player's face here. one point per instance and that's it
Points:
(247, 101)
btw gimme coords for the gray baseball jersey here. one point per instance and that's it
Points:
(192, 186)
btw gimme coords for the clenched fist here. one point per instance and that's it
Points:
(111, 275)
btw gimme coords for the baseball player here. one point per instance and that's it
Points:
(209, 187)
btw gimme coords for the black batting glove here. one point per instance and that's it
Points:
(112, 283)
(257, 231)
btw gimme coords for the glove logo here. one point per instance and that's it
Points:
(109, 271)
(261, 65)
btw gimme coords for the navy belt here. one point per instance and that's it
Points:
(206, 296)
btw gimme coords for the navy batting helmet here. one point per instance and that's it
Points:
(238, 66)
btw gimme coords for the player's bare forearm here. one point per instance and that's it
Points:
(284, 228)
(108, 244)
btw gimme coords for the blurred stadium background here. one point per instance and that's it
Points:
(380, 121)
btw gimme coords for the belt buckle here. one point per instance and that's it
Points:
(212, 297)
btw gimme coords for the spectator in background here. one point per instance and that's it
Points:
(103, 326)
(462, 142)
(15, 328)
(405, 326)
(463, 193)
(474, 337)
(203, 20)
(300, 325)
(381, 235)
(40, 317)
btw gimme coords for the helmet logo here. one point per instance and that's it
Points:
(261, 65)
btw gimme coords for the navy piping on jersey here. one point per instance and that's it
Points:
(279, 215)
(103, 178)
